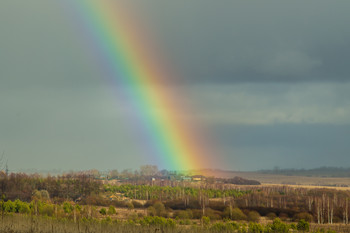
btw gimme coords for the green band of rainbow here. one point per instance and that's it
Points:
(176, 142)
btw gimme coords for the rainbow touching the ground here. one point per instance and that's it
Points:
(121, 42)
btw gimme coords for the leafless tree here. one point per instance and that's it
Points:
(3, 164)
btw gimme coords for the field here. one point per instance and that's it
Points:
(282, 179)
(137, 203)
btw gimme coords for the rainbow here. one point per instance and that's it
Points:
(178, 143)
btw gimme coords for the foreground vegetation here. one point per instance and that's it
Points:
(80, 203)
(30, 223)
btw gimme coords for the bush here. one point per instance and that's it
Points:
(67, 207)
(271, 216)
(205, 220)
(237, 214)
(106, 221)
(303, 225)
(253, 216)
(232, 226)
(197, 214)
(130, 205)
(47, 210)
(185, 222)
(103, 211)
(151, 211)
(133, 216)
(183, 214)
(305, 216)
(213, 214)
(9, 207)
(24, 209)
(45, 195)
(160, 209)
(111, 210)
(279, 226)
(218, 227)
(293, 226)
(217, 205)
(137, 204)
(21, 207)
(283, 216)
(255, 228)
(41, 195)
(157, 221)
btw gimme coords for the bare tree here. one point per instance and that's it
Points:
(3, 164)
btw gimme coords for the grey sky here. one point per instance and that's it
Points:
(270, 79)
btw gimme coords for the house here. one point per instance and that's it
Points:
(198, 178)
(186, 178)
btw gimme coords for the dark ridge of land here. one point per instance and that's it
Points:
(315, 172)
(269, 178)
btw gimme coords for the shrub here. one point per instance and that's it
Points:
(45, 195)
(103, 211)
(160, 209)
(255, 228)
(303, 225)
(279, 226)
(170, 223)
(186, 222)
(21, 207)
(218, 227)
(283, 216)
(111, 210)
(24, 209)
(271, 216)
(78, 207)
(47, 210)
(205, 220)
(67, 207)
(197, 214)
(41, 195)
(183, 214)
(151, 211)
(137, 204)
(157, 221)
(130, 205)
(106, 221)
(9, 207)
(217, 205)
(293, 226)
(237, 214)
(253, 216)
(133, 216)
(305, 216)
(213, 214)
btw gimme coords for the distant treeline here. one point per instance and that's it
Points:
(317, 172)
(22, 186)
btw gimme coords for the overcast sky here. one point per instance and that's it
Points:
(269, 79)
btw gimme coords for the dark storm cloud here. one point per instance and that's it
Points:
(286, 145)
(231, 41)
(207, 41)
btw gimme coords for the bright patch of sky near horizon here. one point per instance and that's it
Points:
(269, 79)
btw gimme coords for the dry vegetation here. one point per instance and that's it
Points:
(83, 204)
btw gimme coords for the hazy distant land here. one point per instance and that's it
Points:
(338, 177)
